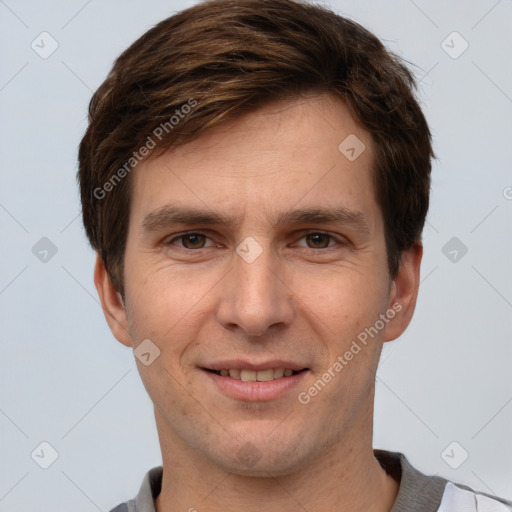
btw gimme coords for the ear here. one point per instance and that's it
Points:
(404, 292)
(112, 303)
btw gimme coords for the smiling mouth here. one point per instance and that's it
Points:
(256, 376)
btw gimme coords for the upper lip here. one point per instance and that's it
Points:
(246, 365)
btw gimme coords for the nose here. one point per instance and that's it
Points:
(255, 296)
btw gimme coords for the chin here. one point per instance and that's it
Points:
(262, 458)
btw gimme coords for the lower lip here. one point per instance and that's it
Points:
(255, 391)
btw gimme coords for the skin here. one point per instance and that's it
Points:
(304, 299)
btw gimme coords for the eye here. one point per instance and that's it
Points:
(190, 241)
(319, 240)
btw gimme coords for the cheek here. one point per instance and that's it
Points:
(169, 308)
(346, 300)
(162, 294)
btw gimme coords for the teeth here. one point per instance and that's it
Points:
(259, 376)
(265, 375)
(234, 374)
(248, 375)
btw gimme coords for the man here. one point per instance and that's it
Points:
(255, 179)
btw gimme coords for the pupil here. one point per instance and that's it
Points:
(318, 238)
(193, 240)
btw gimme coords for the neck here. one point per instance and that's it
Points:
(345, 476)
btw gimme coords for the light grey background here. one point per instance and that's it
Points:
(66, 381)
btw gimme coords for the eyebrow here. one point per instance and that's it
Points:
(171, 215)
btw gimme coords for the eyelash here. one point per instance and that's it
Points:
(303, 234)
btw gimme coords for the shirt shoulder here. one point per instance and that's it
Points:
(149, 490)
(460, 497)
(417, 491)
(423, 493)
(128, 506)
(121, 508)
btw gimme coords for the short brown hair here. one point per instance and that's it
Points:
(227, 58)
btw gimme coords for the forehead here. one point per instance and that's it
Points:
(308, 153)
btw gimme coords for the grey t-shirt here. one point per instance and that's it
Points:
(417, 492)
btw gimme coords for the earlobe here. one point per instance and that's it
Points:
(112, 303)
(404, 292)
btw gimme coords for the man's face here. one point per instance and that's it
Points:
(293, 273)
